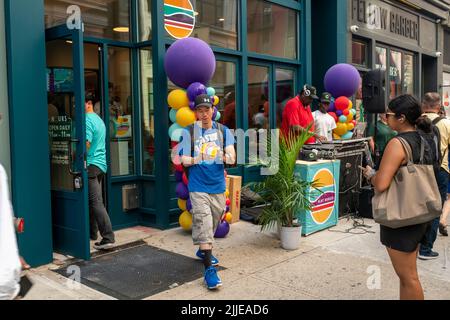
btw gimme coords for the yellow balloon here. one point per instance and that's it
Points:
(227, 193)
(216, 100)
(185, 117)
(350, 126)
(185, 221)
(350, 117)
(182, 204)
(336, 137)
(178, 99)
(350, 105)
(341, 129)
(229, 217)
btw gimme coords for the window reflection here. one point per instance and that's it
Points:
(102, 19)
(120, 111)
(395, 74)
(148, 116)
(272, 29)
(408, 74)
(285, 91)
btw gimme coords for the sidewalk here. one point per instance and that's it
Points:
(332, 264)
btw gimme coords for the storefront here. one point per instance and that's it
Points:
(263, 56)
(403, 37)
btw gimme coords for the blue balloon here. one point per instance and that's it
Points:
(343, 119)
(173, 115)
(175, 132)
(347, 136)
(218, 116)
(211, 91)
(339, 113)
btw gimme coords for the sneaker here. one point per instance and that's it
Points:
(443, 230)
(201, 256)
(428, 256)
(212, 279)
(104, 245)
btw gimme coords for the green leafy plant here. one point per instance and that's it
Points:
(283, 193)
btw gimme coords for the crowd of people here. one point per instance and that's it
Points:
(421, 125)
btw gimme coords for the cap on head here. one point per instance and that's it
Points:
(326, 97)
(310, 91)
(203, 100)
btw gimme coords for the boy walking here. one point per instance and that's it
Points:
(213, 145)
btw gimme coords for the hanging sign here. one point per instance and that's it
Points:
(179, 18)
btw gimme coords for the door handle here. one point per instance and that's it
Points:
(73, 173)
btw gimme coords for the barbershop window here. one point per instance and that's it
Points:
(360, 53)
(108, 19)
(271, 29)
(447, 48)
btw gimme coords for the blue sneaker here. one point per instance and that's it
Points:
(429, 255)
(212, 279)
(214, 260)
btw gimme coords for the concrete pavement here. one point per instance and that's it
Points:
(340, 263)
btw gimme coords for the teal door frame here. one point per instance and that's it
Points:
(70, 208)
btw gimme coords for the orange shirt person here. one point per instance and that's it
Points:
(297, 115)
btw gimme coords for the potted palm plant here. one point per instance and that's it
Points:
(284, 194)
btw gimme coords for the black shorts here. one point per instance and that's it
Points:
(406, 239)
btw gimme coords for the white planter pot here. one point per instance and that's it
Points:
(290, 237)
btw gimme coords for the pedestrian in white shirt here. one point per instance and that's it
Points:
(324, 123)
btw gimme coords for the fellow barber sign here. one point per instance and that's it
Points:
(386, 19)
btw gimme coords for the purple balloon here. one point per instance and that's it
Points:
(215, 114)
(227, 209)
(192, 105)
(189, 205)
(332, 107)
(222, 230)
(179, 176)
(195, 89)
(182, 191)
(342, 80)
(339, 113)
(189, 60)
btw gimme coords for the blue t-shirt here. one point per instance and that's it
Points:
(96, 134)
(208, 177)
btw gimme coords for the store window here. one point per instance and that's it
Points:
(108, 19)
(284, 91)
(224, 82)
(120, 112)
(216, 22)
(395, 74)
(145, 20)
(258, 106)
(446, 93)
(271, 29)
(360, 55)
(447, 48)
(381, 58)
(408, 74)
(148, 114)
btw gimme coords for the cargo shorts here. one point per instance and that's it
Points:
(207, 210)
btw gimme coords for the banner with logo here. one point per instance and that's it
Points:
(324, 198)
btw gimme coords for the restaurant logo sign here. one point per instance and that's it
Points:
(179, 18)
(323, 202)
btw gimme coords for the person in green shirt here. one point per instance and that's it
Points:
(384, 135)
(97, 168)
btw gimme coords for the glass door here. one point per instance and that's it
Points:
(67, 141)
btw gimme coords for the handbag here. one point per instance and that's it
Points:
(413, 196)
